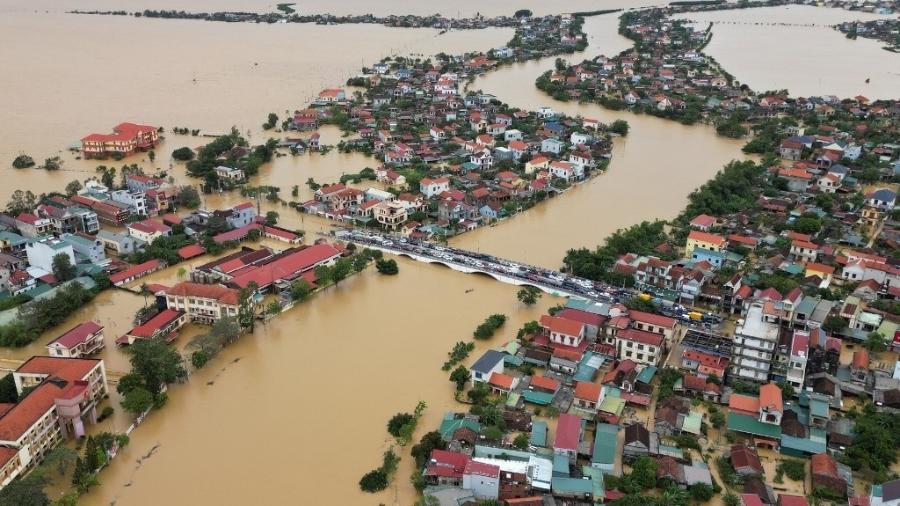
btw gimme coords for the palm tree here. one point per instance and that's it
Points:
(674, 496)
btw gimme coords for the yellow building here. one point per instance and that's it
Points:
(705, 240)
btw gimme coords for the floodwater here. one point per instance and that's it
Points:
(200, 75)
(462, 8)
(301, 404)
(806, 60)
(653, 169)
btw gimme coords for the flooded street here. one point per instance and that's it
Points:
(806, 60)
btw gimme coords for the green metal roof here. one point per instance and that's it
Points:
(564, 485)
(614, 405)
(539, 433)
(513, 400)
(535, 397)
(605, 444)
(801, 445)
(450, 425)
(512, 361)
(692, 422)
(671, 451)
(560, 465)
(750, 425)
(646, 375)
(596, 476)
(818, 407)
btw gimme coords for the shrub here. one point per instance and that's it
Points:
(373, 481)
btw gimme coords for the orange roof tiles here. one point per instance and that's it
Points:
(770, 397)
(218, 292)
(500, 380)
(706, 237)
(562, 325)
(744, 403)
(587, 391)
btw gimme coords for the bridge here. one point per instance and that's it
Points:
(505, 271)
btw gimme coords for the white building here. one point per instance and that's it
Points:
(229, 173)
(431, 187)
(41, 252)
(90, 248)
(136, 201)
(754, 345)
(482, 479)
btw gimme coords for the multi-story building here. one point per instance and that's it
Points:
(755, 340)
(796, 367)
(88, 247)
(136, 201)
(42, 251)
(148, 230)
(80, 341)
(125, 139)
(64, 393)
(705, 240)
(32, 226)
(390, 214)
(643, 347)
(107, 211)
(203, 303)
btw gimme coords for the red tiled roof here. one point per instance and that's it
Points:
(698, 384)
(134, 271)
(545, 383)
(446, 464)
(220, 293)
(150, 227)
(770, 397)
(121, 132)
(286, 266)
(582, 316)
(706, 237)
(152, 326)
(562, 325)
(792, 500)
(641, 336)
(824, 465)
(28, 411)
(77, 334)
(751, 500)
(500, 380)
(481, 469)
(860, 359)
(568, 432)
(587, 391)
(744, 457)
(816, 267)
(190, 251)
(652, 319)
(703, 220)
(744, 403)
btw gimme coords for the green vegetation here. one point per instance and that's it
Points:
(489, 326)
(396, 423)
(734, 188)
(877, 439)
(459, 353)
(619, 126)
(23, 162)
(387, 266)
(876, 342)
(272, 119)
(14, 301)
(154, 364)
(223, 332)
(794, 469)
(528, 295)
(183, 154)
(460, 376)
(63, 270)
(8, 392)
(641, 239)
(34, 318)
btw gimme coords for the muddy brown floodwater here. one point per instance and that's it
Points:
(296, 412)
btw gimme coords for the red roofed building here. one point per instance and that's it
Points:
(568, 436)
(203, 303)
(82, 340)
(640, 346)
(744, 405)
(148, 230)
(704, 363)
(545, 384)
(771, 406)
(705, 240)
(165, 324)
(502, 383)
(563, 331)
(190, 251)
(593, 322)
(125, 139)
(792, 500)
(482, 479)
(745, 461)
(700, 387)
(587, 395)
(136, 271)
(64, 395)
(651, 322)
(703, 222)
(445, 468)
(826, 474)
(284, 267)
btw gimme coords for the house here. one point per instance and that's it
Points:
(41, 252)
(136, 271)
(703, 222)
(587, 396)
(563, 331)
(639, 442)
(229, 173)
(87, 248)
(537, 163)
(202, 303)
(640, 346)
(432, 187)
(705, 240)
(829, 475)
(502, 383)
(164, 325)
(804, 250)
(490, 362)
(148, 230)
(771, 407)
(568, 436)
(125, 140)
(445, 468)
(552, 145)
(605, 448)
(563, 170)
(482, 479)
(82, 340)
(332, 95)
(745, 461)
(390, 214)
